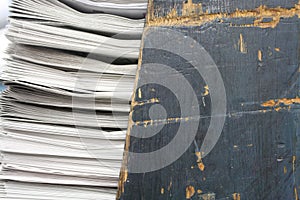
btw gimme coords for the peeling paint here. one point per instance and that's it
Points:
(201, 166)
(236, 196)
(206, 93)
(278, 102)
(122, 180)
(190, 192)
(196, 19)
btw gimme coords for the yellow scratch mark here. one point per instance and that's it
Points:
(153, 100)
(162, 191)
(200, 18)
(206, 90)
(140, 93)
(294, 163)
(250, 145)
(277, 49)
(236, 196)
(278, 102)
(284, 170)
(166, 121)
(201, 166)
(242, 44)
(170, 186)
(296, 193)
(190, 192)
(260, 56)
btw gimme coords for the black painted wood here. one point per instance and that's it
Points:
(256, 155)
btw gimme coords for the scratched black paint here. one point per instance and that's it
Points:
(254, 156)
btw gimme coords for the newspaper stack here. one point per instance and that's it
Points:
(70, 73)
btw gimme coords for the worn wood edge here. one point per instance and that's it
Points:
(124, 168)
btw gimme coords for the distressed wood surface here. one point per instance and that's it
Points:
(255, 45)
(163, 8)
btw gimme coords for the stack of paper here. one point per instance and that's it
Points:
(70, 74)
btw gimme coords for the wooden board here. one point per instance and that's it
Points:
(250, 47)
